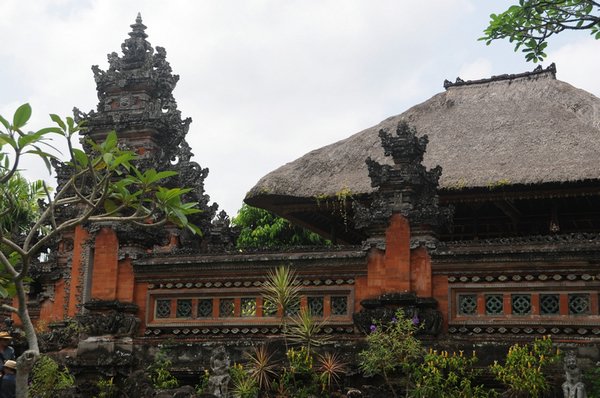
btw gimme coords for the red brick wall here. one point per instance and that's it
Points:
(125, 283)
(105, 274)
(398, 268)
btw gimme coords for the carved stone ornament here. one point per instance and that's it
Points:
(573, 387)
(405, 187)
(109, 318)
(422, 311)
(218, 381)
(136, 100)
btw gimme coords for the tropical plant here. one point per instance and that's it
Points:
(300, 378)
(203, 383)
(304, 329)
(106, 388)
(445, 375)
(160, 372)
(282, 288)
(261, 228)
(244, 385)
(48, 380)
(531, 23)
(261, 366)
(391, 347)
(102, 184)
(591, 379)
(331, 369)
(525, 368)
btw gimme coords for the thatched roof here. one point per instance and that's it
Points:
(511, 129)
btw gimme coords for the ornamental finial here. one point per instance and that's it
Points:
(138, 28)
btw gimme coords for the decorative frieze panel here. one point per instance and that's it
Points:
(561, 302)
(233, 331)
(219, 284)
(524, 278)
(589, 331)
(244, 311)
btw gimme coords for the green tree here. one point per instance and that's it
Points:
(391, 347)
(261, 228)
(532, 22)
(100, 185)
(526, 367)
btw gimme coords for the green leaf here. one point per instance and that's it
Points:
(21, 116)
(110, 142)
(109, 206)
(80, 157)
(70, 124)
(58, 121)
(7, 139)
(151, 176)
(5, 123)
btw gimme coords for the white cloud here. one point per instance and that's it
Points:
(264, 82)
(578, 63)
(478, 69)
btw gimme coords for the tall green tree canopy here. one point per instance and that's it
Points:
(261, 228)
(531, 23)
(102, 184)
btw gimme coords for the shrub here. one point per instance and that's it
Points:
(331, 369)
(244, 385)
(591, 379)
(391, 347)
(299, 379)
(524, 370)
(160, 373)
(106, 388)
(48, 380)
(445, 375)
(262, 367)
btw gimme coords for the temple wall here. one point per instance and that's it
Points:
(105, 275)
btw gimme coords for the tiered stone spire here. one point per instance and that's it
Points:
(136, 100)
(405, 188)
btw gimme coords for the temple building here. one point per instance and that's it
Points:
(476, 211)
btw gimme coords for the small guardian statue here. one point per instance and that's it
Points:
(573, 387)
(218, 381)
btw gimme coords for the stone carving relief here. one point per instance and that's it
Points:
(406, 188)
(573, 387)
(422, 311)
(218, 381)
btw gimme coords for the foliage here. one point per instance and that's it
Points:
(203, 384)
(261, 367)
(304, 329)
(532, 22)
(102, 184)
(591, 379)
(390, 347)
(48, 380)
(106, 388)
(160, 373)
(524, 369)
(244, 385)
(19, 204)
(261, 228)
(300, 379)
(331, 369)
(444, 375)
(282, 288)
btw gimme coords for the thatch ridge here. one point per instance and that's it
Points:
(528, 129)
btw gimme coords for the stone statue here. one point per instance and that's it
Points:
(218, 382)
(573, 387)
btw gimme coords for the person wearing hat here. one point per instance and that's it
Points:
(6, 351)
(8, 381)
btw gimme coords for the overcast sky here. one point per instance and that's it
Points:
(266, 81)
